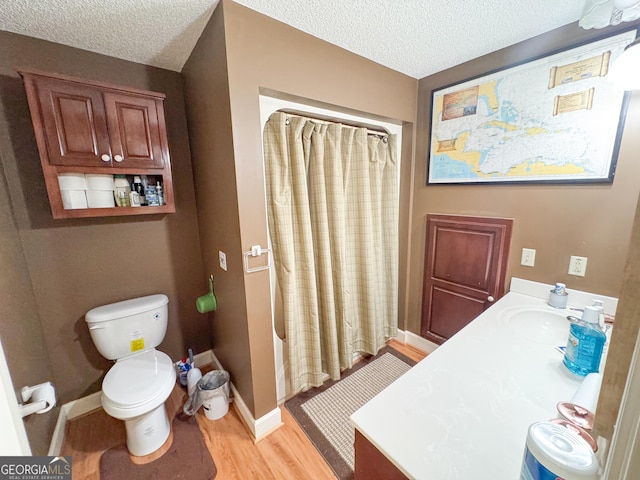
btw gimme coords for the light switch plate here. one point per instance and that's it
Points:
(223, 260)
(528, 257)
(578, 266)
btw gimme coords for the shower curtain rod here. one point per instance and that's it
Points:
(372, 129)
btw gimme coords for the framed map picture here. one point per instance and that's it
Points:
(556, 119)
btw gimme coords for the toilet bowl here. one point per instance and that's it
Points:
(136, 388)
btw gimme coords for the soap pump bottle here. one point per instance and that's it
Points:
(585, 344)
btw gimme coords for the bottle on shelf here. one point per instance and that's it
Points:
(150, 193)
(585, 344)
(160, 193)
(134, 198)
(122, 199)
(121, 190)
(139, 188)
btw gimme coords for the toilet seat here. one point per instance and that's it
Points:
(137, 384)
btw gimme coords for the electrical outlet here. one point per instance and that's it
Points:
(223, 260)
(578, 266)
(528, 257)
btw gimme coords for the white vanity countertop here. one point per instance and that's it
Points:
(463, 412)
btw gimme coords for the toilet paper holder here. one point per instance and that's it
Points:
(43, 398)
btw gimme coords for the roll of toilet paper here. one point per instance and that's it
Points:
(72, 199)
(99, 182)
(72, 181)
(587, 394)
(100, 199)
(42, 396)
(47, 393)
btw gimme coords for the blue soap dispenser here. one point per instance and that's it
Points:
(585, 344)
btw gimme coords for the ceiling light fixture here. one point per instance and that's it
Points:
(625, 70)
(602, 13)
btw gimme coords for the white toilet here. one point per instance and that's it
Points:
(137, 386)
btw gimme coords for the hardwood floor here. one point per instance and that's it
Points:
(285, 454)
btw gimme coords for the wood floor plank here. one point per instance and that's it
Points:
(288, 454)
(285, 454)
(413, 353)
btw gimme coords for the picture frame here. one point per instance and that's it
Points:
(553, 119)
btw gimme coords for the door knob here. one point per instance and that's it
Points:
(118, 158)
(490, 298)
(105, 158)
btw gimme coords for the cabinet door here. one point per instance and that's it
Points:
(134, 130)
(74, 123)
(465, 270)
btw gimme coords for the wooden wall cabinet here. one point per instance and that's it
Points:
(94, 127)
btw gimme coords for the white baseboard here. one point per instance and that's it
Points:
(262, 426)
(204, 358)
(69, 411)
(410, 338)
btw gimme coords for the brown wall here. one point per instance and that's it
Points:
(20, 330)
(75, 265)
(623, 338)
(209, 114)
(265, 55)
(557, 220)
(595, 221)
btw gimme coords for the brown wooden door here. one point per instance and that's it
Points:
(134, 131)
(74, 123)
(465, 269)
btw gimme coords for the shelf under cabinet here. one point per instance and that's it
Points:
(112, 212)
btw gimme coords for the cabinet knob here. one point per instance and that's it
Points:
(105, 158)
(490, 299)
(118, 158)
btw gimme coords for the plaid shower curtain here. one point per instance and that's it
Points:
(332, 202)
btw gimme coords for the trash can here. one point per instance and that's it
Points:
(213, 390)
(212, 393)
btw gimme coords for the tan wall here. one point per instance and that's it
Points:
(209, 114)
(558, 221)
(280, 58)
(266, 54)
(75, 265)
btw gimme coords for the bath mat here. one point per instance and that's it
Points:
(323, 412)
(187, 458)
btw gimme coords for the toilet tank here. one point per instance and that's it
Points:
(131, 326)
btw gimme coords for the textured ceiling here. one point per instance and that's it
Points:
(161, 33)
(415, 37)
(422, 37)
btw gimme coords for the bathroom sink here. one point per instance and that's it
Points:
(537, 324)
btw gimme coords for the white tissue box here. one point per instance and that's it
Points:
(72, 199)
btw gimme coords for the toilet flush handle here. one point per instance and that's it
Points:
(97, 327)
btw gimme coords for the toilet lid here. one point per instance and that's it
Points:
(139, 378)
